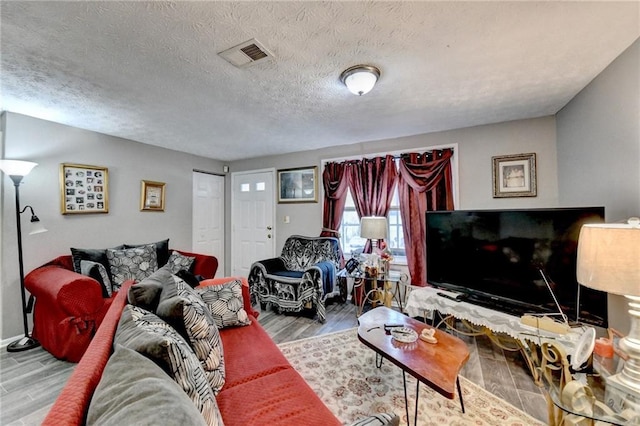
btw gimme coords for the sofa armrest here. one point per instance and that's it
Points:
(76, 294)
(204, 265)
(70, 408)
(246, 298)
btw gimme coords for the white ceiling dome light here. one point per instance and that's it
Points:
(360, 79)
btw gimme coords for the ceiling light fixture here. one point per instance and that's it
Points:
(360, 79)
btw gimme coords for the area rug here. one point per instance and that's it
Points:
(342, 371)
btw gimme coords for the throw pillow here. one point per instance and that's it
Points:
(225, 303)
(133, 390)
(162, 250)
(178, 262)
(146, 293)
(149, 335)
(131, 264)
(94, 255)
(181, 307)
(98, 272)
(189, 278)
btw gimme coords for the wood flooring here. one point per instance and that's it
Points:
(30, 381)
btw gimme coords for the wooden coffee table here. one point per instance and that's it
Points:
(436, 365)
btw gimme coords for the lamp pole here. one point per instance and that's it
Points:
(27, 342)
(16, 170)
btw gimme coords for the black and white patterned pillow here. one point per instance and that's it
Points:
(152, 337)
(178, 262)
(187, 313)
(98, 272)
(225, 303)
(135, 263)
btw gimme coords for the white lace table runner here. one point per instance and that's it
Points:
(426, 299)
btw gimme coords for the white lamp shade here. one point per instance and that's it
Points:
(16, 167)
(373, 227)
(360, 79)
(37, 228)
(360, 82)
(609, 257)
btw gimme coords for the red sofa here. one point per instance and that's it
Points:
(261, 386)
(69, 306)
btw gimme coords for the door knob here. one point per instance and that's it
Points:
(268, 228)
(268, 235)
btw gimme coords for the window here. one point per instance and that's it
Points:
(350, 227)
(350, 238)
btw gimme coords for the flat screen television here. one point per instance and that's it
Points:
(496, 258)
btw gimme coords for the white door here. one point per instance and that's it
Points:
(208, 217)
(252, 224)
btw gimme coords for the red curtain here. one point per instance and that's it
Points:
(335, 182)
(425, 184)
(372, 182)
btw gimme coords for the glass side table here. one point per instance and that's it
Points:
(584, 399)
(379, 290)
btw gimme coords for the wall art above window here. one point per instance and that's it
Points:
(514, 176)
(84, 189)
(298, 185)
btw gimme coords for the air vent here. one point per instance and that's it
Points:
(246, 54)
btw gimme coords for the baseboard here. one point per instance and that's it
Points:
(5, 342)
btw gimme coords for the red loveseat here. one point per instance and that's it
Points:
(69, 306)
(261, 387)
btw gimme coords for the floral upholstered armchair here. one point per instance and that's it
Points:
(303, 277)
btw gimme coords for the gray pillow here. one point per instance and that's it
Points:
(146, 293)
(133, 390)
(98, 272)
(186, 312)
(132, 264)
(149, 335)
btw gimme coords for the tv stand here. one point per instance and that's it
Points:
(505, 330)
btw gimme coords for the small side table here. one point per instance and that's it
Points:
(380, 288)
(581, 398)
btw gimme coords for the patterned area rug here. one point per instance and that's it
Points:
(342, 371)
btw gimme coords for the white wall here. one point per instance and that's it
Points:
(599, 150)
(50, 144)
(476, 146)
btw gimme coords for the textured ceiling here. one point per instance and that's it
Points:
(149, 71)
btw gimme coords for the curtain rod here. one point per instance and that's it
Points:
(394, 156)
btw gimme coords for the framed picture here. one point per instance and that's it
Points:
(514, 176)
(298, 185)
(152, 196)
(84, 189)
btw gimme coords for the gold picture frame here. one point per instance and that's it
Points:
(83, 189)
(152, 196)
(514, 176)
(299, 185)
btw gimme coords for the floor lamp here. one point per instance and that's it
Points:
(609, 260)
(16, 170)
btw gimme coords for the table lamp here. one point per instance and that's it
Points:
(609, 260)
(373, 228)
